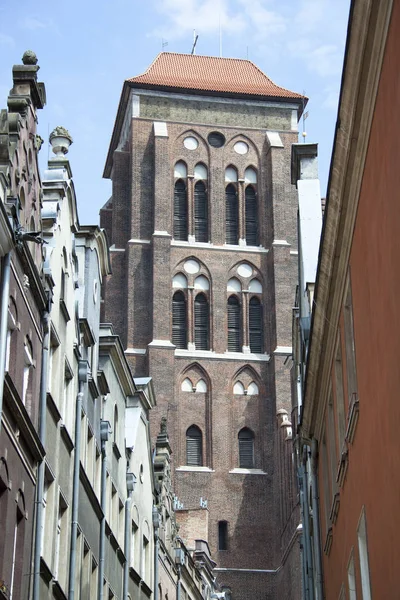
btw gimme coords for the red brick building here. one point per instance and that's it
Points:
(351, 410)
(202, 226)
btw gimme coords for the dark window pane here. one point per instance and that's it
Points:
(233, 324)
(180, 211)
(222, 535)
(231, 215)
(201, 323)
(200, 212)
(255, 325)
(179, 328)
(251, 217)
(246, 449)
(194, 447)
(216, 139)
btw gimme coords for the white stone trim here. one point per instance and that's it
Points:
(161, 344)
(280, 243)
(195, 469)
(294, 253)
(138, 241)
(114, 249)
(238, 471)
(136, 351)
(283, 351)
(224, 248)
(210, 354)
(161, 234)
(160, 129)
(274, 139)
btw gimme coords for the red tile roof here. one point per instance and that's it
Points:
(210, 73)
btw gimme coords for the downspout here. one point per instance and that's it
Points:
(130, 486)
(156, 525)
(104, 434)
(178, 584)
(82, 379)
(41, 468)
(316, 519)
(5, 293)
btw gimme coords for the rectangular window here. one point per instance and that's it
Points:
(363, 554)
(350, 343)
(340, 410)
(222, 535)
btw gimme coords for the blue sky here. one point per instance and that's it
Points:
(86, 49)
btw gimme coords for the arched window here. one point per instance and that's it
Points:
(200, 212)
(251, 216)
(194, 447)
(246, 448)
(180, 211)
(231, 214)
(233, 324)
(255, 325)
(179, 328)
(201, 323)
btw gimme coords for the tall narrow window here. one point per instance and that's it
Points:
(179, 328)
(350, 343)
(194, 447)
(363, 553)
(233, 324)
(201, 323)
(180, 211)
(200, 212)
(251, 216)
(246, 449)
(231, 214)
(255, 325)
(222, 535)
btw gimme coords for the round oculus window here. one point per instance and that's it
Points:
(241, 148)
(244, 270)
(216, 139)
(190, 143)
(191, 266)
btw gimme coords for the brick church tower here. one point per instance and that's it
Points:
(202, 227)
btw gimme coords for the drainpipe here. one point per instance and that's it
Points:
(41, 467)
(5, 293)
(309, 570)
(105, 429)
(130, 486)
(82, 379)
(316, 520)
(178, 584)
(156, 525)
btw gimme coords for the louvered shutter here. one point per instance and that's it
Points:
(179, 329)
(201, 323)
(231, 215)
(251, 216)
(194, 450)
(200, 212)
(180, 211)
(246, 449)
(233, 324)
(255, 325)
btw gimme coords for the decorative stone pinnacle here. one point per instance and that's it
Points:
(163, 425)
(29, 58)
(60, 140)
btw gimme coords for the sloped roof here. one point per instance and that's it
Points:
(211, 74)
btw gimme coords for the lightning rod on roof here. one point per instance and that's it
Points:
(220, 36)
(195, 38)
(305, 116)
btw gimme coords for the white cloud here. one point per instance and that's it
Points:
(6, 40)
(34, 24)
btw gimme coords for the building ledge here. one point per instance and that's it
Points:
(239, 471)
(195, 469)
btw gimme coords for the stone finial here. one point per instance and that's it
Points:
(60, 140)
(29, 58)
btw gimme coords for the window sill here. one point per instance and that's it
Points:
(195, 469)
(210, 354)
(116, 451)
(239, 471)
(224, 248)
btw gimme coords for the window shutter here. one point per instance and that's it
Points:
(255, 325)
(201, 323)
(246, 449)
(179, 330)
(231, 215)
(194, 450)
(233, 324)
(251, 216)
(200, 212)
(180, 211)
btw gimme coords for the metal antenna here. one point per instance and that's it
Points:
(195, 38)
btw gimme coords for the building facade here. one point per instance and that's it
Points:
(202, 226)
(350, 408)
